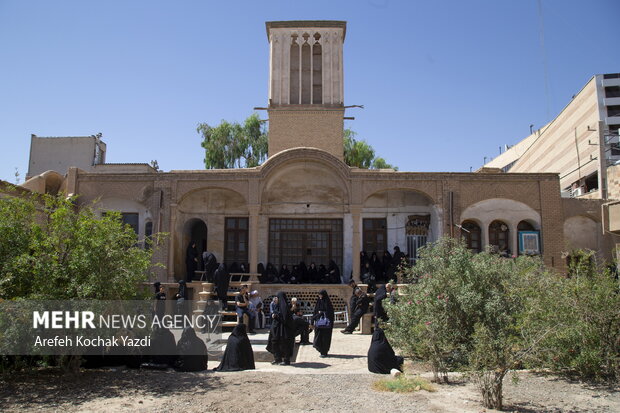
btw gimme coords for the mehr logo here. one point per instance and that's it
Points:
(63, 319)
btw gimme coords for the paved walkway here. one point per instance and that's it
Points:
(347, 355)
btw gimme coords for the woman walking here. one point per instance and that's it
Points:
(323, 318)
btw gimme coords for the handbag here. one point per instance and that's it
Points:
(323, 322)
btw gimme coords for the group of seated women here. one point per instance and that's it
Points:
(300, 274)
(375, 270)
(188, 354)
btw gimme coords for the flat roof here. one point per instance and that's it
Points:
(307, 23)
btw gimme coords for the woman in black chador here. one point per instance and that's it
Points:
(191, 260)
(333, 273)
(323, 335)
(313, 273)
(160, 300)
(191, 351)
(282, 333)
(387, 263)
(381, 356)
(222, 281)
(163, 347)
(238, 354)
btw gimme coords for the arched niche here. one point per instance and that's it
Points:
(411, 218)
(507, 211)
(304, 187)
(220, 201)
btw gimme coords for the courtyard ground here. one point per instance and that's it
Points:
(340, 383)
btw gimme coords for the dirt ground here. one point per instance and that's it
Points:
(280, 389)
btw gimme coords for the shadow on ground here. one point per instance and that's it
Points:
(310, 365)
(49, 387)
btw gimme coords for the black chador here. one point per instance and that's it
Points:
(381, 356)
(323, 335)
(191, 261)
(380, 313)
(163, 348)
(222, 281)
(238, 354)
(191, 351)
(282, 334)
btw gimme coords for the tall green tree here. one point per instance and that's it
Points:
(358, 153)
(234, 145)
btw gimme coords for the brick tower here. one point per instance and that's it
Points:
(306, 85)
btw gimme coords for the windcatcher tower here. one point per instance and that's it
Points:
(306, 85)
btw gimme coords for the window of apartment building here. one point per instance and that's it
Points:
(591, 182)
(375, 235)
(471, 233)
(612, 92)
(611, 76)
(613, 141)
(613, 110)
(236, 241)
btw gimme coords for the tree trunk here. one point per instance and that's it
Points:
(491, 385)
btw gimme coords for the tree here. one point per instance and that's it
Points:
(232, 145)
(358, 153)
(463, 312)
(52, 250)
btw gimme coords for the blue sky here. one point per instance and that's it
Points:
(444, 83)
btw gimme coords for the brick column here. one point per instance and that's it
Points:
(356, 244)
(253, 238)
(171, 245)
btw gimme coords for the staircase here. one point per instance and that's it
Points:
(229, 315)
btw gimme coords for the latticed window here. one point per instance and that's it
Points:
(499, 236)
(308, 240)
(375, 235)
(471, 233)
(236, 241)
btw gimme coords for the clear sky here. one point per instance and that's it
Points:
(444, 83)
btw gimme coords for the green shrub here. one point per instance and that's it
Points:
(462, 312)
(403, 384)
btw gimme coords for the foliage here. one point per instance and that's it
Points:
(403, 384)
(231, 145)
(485, 315)
(462, 313)
(584, 312)
(358, 153)
(50, 249)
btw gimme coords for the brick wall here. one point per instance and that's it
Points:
(320, 128)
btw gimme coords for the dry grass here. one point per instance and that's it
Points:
(403, 384)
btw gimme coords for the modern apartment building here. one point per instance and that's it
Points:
(580, 144)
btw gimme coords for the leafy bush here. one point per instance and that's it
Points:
(462, 312)
(583, 313)
(484, 314)
(50, 249)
